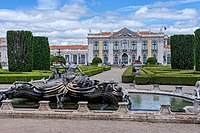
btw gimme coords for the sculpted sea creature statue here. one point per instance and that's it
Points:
(67, 85)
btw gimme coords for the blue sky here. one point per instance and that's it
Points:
(68, 21)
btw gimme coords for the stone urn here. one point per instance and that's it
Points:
(137, 64)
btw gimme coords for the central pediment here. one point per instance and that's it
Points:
(124, 33)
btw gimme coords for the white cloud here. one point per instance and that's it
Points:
(164, 13)
(48, 4)
(70, 23)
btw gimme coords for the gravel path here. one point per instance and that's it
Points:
(91, 126)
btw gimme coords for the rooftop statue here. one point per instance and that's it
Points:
(67, 85)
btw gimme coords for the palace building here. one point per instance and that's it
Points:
(124, 46)
(77, 54)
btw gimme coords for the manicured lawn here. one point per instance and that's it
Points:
(166, 75)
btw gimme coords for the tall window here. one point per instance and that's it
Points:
(105, 46)
(105, 59)
(116, 46)
(133, 57)
(144, 58)
(124, 44)
(116, 59)
(133, 45)
(96, 46)
(144, 46)
(154, 45)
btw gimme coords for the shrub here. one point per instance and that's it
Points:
(60, 59)
(151, 60)
(96, 60)
(20, 57)
(197, 47)
(0, 66)
(128, 76)
(41, 53)
(182, 53)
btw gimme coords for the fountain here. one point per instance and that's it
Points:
(67, 85)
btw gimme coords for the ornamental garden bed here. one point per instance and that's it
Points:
(163, 75)
(7, 77)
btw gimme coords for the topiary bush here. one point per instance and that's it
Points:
(0, 66)
(96, 60)
(61, 59)
(151, 60)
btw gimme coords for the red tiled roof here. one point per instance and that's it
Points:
(147, 33)
(69, 47)
(2, 40)
(110, 33)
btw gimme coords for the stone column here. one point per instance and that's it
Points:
(83, 108)
(110, 54)
(44, 106)
(165, 109)
(7, 105)
(160, 50)
(178, 90)
(123, 107)
(139, 49)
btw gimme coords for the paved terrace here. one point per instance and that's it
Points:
(15, 125)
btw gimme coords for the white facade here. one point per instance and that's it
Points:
(125, 46)
(76, 55)
(3, 52)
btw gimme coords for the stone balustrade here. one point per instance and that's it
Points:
(179, 90)
(83, 112)
(156, 87)
(44, 106)
(123, 107)
(6, 105)
(82, 107)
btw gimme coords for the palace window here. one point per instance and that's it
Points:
(133, 57)
(124, 44)
(144, 58)
(144, 46)
(116, 46)
(116, 59)
(105, 46)
(133, 46)
(154, 45)
(105, 59)
(96, 46)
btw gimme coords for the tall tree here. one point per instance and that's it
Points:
(197, 49)
(41, 53)
(19, 44)
(182, 56)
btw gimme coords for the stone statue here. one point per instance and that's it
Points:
(68, 86)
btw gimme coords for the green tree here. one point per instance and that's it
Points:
(151, 60)
(96, 60)
(41, 53)
(197, 48)
(58, 58)
(19, 45)
(182, 56)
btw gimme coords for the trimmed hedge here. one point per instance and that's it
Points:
(169, 80)
(197, 47)
(7, 77)
(128, 76)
